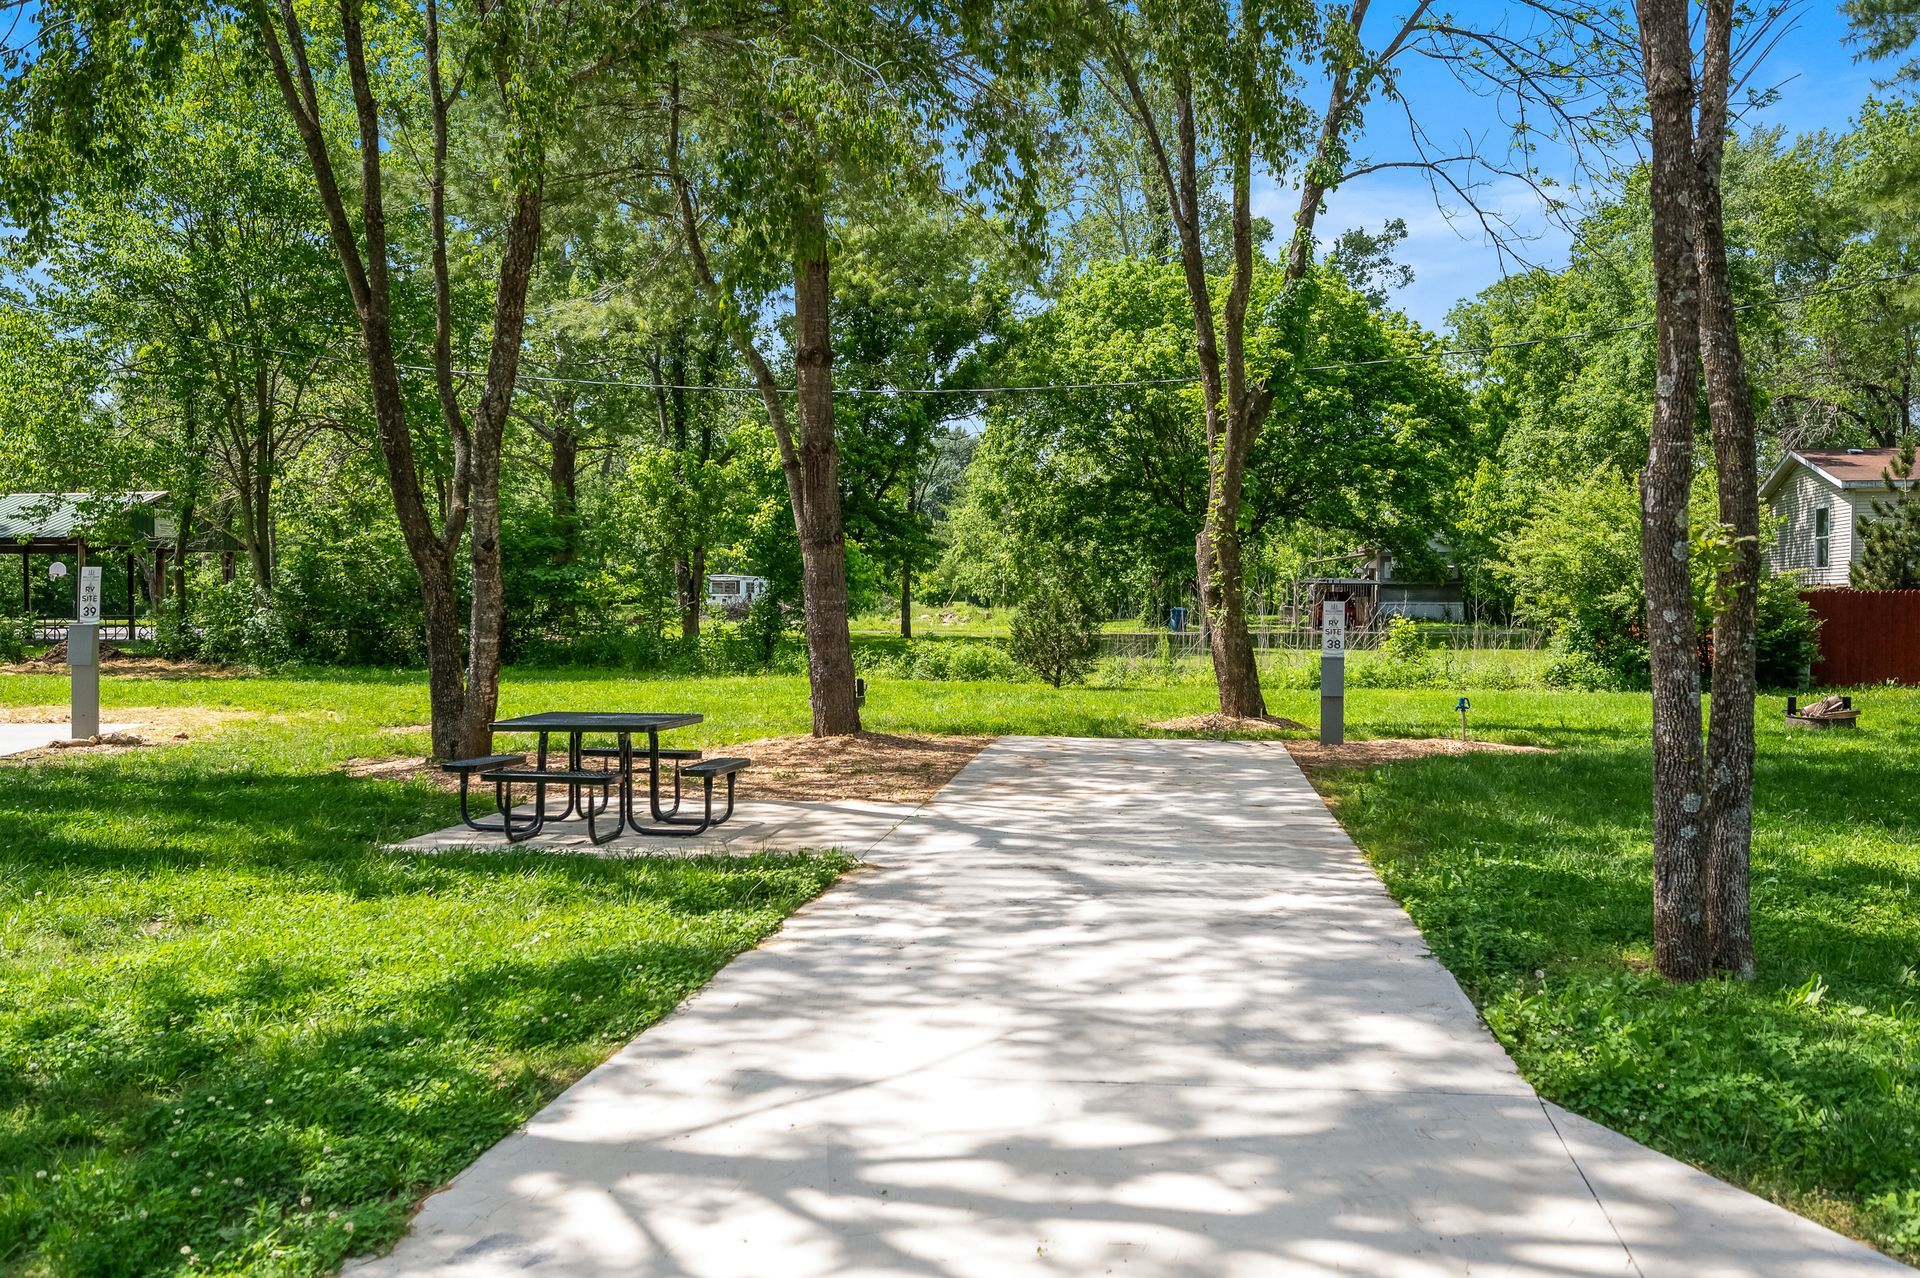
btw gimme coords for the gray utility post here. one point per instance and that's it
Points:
(83, 657)
(1333, 672)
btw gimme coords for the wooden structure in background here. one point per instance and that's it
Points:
(1866, 636)
(133, 526)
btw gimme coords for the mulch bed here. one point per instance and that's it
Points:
(408, 767)
(881, 767)
(115, 662)
(877, 767)
(1221, 725)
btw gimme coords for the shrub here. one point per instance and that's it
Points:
(173, 638)
(764, 625)
(16, 638)
(1787, 634)
(1575, 568)
(239, 626)
(346, 592)
(1404, 654)
(1580, 662)
(1056, 633)
(939, 659)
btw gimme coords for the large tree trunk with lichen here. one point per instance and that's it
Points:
(1729, 764)
(1680, 940)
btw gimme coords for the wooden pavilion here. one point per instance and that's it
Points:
(134, 526)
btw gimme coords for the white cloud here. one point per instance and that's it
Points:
(1452, 255)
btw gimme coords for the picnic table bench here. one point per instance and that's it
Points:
(614, 781)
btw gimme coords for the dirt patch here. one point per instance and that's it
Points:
(881, 767)
(115, 662)
(36, 714)
(136, 728)
(1314, 757)
(100, 739)
(1221, 725)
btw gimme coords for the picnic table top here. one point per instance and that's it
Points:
(593, 721)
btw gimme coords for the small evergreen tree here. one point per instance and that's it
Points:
(1890, 542)
(1056, 631)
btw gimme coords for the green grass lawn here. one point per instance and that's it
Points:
(230, 1025)
(1530, 876)
(191, 932)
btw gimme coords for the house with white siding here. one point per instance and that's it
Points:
(1820, 500)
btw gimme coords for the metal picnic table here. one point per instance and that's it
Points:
(579, 780)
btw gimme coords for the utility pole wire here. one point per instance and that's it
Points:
(1456, 352)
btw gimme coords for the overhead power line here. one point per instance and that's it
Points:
(1036, 388)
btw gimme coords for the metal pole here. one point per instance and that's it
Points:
(83, 657)
(1333, 672)
(83, 653)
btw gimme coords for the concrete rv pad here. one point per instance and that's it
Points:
(1101, 1007)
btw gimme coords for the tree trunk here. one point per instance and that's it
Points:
(1680, 941)
(1236, 673)
(256, 490)
(811, 462)
(1729, 768)
(689, 584)
(179, 563)
(368, 281)
(487, 623)
(563, 469)
(816, 500)
(690, 557)
(906, 598)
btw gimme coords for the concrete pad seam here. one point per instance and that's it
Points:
(1611, 1223)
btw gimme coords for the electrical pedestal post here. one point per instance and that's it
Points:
(1333, 672)
(83, 657)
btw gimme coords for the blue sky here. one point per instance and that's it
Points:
(1820, 84)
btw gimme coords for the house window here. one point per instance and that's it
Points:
(1822, 536)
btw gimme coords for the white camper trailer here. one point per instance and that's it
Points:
(732, 590)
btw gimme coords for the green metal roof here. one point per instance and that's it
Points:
(73, 516)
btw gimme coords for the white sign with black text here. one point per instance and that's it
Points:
(89, 597)
(1333, 627)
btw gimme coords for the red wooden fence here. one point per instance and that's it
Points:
(1866, 636)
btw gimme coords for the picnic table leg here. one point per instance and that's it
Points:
(612, 800)
(628, 791)
(653, 775)
(666, 815)
(576, 794)
(515, 832)
(661, 820)
(574, 798)
(653, 783)
(689, 825)
(539, 789)
(475, 823)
